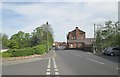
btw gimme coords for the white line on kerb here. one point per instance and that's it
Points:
(95, 61)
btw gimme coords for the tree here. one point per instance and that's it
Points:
(48, 34)
(20, 40)
(109, 35)
(0, 40)
(42, 35)
(4, 40)
(37, 36)
(27, 40)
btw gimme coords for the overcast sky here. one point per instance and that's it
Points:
(63, 16)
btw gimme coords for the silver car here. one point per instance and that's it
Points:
(112, 51)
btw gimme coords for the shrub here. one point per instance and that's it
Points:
(6, 55)
(39, 49)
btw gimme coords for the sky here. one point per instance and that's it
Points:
(62, 16)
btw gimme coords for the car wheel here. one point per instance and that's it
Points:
(111, 54)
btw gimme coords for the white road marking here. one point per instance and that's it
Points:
(74, 54)
(48, 69)
(77, 55)
(56, 73)
(56, 69)
(89, 53)
(49, 66)
(95, 61)
(54, 63)
(117, 68)
(49, 62)
(47, 73)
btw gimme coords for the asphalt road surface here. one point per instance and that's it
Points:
(65, 62)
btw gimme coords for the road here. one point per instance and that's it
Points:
(66, 62)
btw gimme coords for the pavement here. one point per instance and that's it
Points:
(64, 62)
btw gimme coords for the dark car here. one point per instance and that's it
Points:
(112, 51)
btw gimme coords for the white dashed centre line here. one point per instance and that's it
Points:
(117, 68)
(55, 67)
(49, 62)
(95, 61)
(56, 73)
(49, 66)
(48, 69)
(47, 73)
(54, 63)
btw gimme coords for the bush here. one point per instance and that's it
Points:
(6, 55)
(39, 49)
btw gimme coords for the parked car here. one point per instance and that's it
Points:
(112, 51)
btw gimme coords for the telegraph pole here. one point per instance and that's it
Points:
(47, 38)
(94, 41)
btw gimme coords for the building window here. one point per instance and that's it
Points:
(81, 37)
(71, 45)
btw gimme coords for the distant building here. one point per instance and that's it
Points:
(60, 45)
(77, 39)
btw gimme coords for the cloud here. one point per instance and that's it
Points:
(63, 17)
(61, 1)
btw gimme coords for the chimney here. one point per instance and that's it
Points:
(76, 27)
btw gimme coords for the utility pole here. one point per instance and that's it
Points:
(94, 41)
(47, 38)
(116, 30)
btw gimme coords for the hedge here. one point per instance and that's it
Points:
(39, 49)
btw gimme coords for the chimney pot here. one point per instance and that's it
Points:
(76, 27)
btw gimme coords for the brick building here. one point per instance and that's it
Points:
(77, 39)
(60, 45)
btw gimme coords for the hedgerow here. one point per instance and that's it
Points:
(39, 49)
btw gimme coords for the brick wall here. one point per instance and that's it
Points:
(79, 35)
(75, 34)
